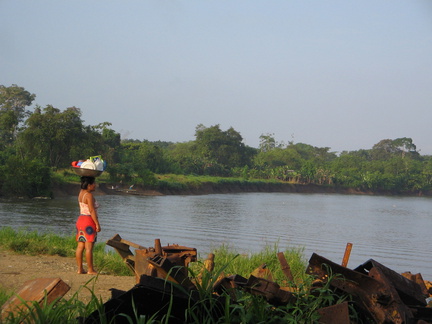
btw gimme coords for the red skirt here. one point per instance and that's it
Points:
(86, 229)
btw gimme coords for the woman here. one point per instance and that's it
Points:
(87, 224)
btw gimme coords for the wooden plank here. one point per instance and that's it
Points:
(36, 290)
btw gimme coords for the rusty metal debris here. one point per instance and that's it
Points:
(338, 313)
(158, 261)
(164, 288)
(379, 294)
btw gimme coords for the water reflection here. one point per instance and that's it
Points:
(391, 230)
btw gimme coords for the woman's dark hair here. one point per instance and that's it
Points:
(85, 181)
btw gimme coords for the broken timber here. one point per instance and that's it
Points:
(40, 290)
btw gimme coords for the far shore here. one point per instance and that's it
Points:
(72, 189)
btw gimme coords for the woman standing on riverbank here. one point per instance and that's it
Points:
(87, 224)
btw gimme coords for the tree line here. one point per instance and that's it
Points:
(34, 144)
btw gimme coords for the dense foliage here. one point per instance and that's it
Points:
(35, 143)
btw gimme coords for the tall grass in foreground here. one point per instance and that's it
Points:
(244, 264)
(228, 307)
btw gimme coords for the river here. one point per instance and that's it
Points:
(394, 231)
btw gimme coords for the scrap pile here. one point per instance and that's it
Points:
(377, 291)
(378, 294)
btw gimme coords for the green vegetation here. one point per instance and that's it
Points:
(247, 308)
(34, 243)
(37, 147)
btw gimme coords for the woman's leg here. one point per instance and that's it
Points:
(79, 257)
(89, 257)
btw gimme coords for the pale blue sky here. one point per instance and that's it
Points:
(342, 74)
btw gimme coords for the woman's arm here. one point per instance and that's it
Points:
(93, 212)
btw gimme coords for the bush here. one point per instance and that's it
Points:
(24, 177)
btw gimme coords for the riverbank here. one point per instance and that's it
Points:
(206, 188)
(16, 269)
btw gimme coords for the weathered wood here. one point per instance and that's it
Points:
(35, 291)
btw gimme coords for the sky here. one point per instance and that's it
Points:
(339, 74)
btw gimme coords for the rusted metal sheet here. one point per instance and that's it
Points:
(379, 294)
(374, 297)
(123, 248)
(269, 290)
(183, 254)
(335, 314)
(263, 272)
(417, 278)
(408, 291)
(177, 255)
(35, 291)
(285, 266)
(422, 314)
(171, 271)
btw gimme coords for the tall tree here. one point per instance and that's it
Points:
(223, 148)
(405, 146)
(267, 142)
(387, 148)
(50, 134)
(13, 101)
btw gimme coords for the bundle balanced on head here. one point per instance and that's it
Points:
(87, 224)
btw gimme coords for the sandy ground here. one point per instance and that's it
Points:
(16, 269)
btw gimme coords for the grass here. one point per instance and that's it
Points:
(63, 176)
(34, 243)
(238, 306)
(244, 265)
(196, 180)
(177, 182)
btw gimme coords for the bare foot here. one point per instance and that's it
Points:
(92, 272)
(81, 272)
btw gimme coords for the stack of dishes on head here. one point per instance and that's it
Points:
(92, 167)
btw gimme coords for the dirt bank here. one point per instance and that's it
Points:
(62, 190)
(16, 269)
(72, 189)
